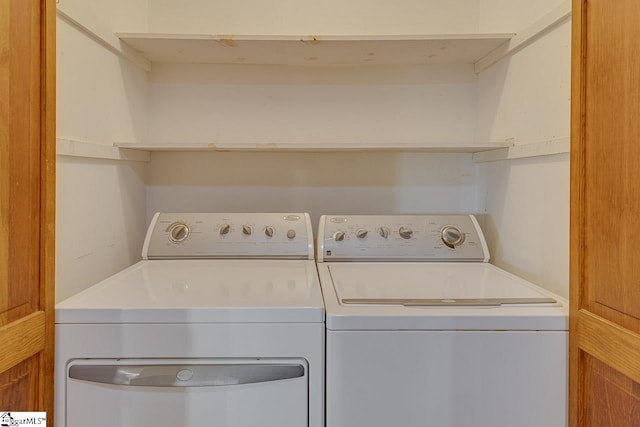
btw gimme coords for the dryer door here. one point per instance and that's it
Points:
(190, 393)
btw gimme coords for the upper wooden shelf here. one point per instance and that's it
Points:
(314, 50)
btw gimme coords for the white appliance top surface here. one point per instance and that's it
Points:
(432, 281)
(201, 291)
(383, 286)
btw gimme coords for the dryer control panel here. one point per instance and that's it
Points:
(401, 238)
(229, 235)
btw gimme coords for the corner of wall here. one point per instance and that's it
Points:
(101, 99)
(525, 98)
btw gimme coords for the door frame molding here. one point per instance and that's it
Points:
(48, 199)
(577, 223)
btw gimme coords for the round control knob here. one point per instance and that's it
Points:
(269, 231)
(362, 233)
(225, 229)
(383, 232)
(452, 236)
(405, 232)
(247, 230)
(291, 234)
(338, 236)
(178, 232)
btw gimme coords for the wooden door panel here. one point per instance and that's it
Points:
(19, 386)
(612, 399)
(605, 214)
(5, 87)
(20, 195)
(27, 180)
(612, 160)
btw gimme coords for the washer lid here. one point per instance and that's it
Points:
(447, 283)
(404, 295)
(201, 291)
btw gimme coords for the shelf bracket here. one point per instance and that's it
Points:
(118, 48)
(520, 151)
(93, 150)
(524, 38)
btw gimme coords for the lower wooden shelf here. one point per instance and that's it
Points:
(141, 152)
(313, 147)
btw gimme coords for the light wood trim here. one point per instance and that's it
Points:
(15, 313)
(21, 339)
(4, 157)
(576, 232)
(48, 201)
(626, 321)
(619, 348)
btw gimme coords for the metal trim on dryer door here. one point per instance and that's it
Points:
(170, 392)
(209, 375)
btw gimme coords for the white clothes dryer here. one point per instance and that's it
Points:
(221, 323)
(423, 332)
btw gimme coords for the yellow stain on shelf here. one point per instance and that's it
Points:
(227, 40)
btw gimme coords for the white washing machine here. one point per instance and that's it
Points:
(423, 331)
(222, 323)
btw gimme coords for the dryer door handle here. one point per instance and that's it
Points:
(196, 375)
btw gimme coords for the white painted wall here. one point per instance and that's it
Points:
(101, 98)
(105, 17)
(525, 98)
(100, 220)
(319, 183)
(274, 104)
(526, 219)
(512, 15)
(328, 17)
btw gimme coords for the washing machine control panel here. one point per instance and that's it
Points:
(229, 235)
(401, 237)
